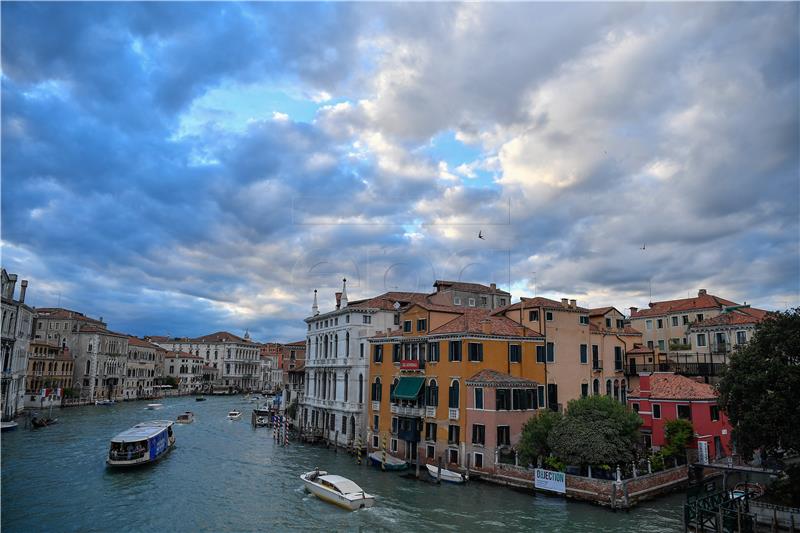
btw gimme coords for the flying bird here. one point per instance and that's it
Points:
(643, 246)
(480, 235)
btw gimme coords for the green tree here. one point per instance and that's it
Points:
(171, 381)
(678, 434)
(595, 430)
(535, 432)
(759, 388)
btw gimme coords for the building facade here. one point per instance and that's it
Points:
(49, 369)
(16, 338)
(187, 369)
(140, 374)
(459, 293)
(101, 362)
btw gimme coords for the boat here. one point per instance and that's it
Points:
(337, 490)
(154, 406)
(143, 443)
(392, 462)
(234, 415)
(40, 422)
(8, 426)
(200, 399)
(104, 402)
(447, 475)
(261, 421)
(186, 418)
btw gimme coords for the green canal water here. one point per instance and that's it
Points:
(227, 476)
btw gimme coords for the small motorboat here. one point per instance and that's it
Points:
(39, 422)
(154, 406)
(447, 475)
(200, 399)
(8, 426)
(392, 462)
(261, 421)
(234, 415)
(337, 490)
(104, 402)
(185, 418)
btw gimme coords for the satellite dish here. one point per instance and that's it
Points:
(396, 306)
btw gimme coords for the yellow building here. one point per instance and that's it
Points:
(418, 400)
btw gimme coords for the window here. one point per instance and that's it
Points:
(453, 395)
(608, 387)
(456, 300)
(376, 390)
(533, 315)
(432, 394)
(503, 436)
(540, 394)
(551, 352)
(584, 390)
(515, 353)
(360, 388)
(472, 302)
(394, 445)
(699, 317)
(684, 412)
(478, 434)
(367, 319)
(475, 350)
(478, 460)
(406, 326)
(661, 345)
(701, 339)
(361, 350)
(650, 344)
(714, 413)
(453, 434)
(483, 301)
(540, 354)
(596, 387)
(741, 337)
(548, 316)
(346, 319)
(430, 452)
(454, 353)
(503, 399)
(656, 410)
(336, 321)
(394, 425)
(675, 321)
(660, 323)
(620, 324)
(608, 323)
(378, 353)
(433, 351)
(430, 432)
(422, 324)
(375, 440)
(648, 324)
(584, 319)
(478, 398)
(684, 319)
(395, 353)
(584, 354)
(502, 302)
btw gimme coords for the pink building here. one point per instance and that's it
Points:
(664, 396)
(498, 405)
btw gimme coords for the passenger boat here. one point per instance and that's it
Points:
(154, 406)
(392, 463)
(104, 402)
(143, 443)
(337, 490)
(447, 475)
(185, 418)
(234, 415)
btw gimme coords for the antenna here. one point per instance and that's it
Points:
(534, 283)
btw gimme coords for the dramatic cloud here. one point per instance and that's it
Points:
(182, 168)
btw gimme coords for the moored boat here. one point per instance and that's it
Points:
(392, 463)
(40, 422)
(337, 490)
(234, 415)
(104, 402)
(143, 443)
(154, 406)
(8, 426)
(185, 418)
(200, 399)
(447, 475)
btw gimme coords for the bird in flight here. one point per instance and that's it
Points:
(643, 246)
(480, 235)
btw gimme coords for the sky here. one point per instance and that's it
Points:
(184, 168)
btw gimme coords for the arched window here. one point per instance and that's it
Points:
(336, 345)
(376, 390)
(392, 387)
(347, 344)
(453, 396)
(596, 387)
(623, 392)
(616, 389)
(346, 385)
(608, 387)
(432, 394)
(88, 367)
(360, 388)
(325, 346)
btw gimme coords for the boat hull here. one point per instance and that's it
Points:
(340, 500)
(8, 426)
(140, 462)
(447, 475)
(393, 466)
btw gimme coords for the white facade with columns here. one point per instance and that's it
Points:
(337, 362)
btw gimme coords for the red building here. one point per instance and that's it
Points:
(664, 396)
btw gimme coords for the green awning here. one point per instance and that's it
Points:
(407, 388)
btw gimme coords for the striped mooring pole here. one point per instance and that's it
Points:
(358, 450)
(383, 462)
(274, 428)
(285, 431)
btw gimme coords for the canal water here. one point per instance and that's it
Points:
(227, 476)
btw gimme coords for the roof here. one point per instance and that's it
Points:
(181, 355)
(627, 330)
(669, 386)
(344, 485)
(135, 341)
(640, 350)
(539, 301)
(468, 287)
(741, 316)
(387, 300)
(142, 431)
(297, 343)
(702, 301)
(220, 336)
(482, 322)
(157, 338)
(493, 378)
(64, 314)
(92, 328)
(600, 311)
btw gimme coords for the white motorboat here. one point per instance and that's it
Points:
(185, 418)
(337, 490)
(104, 402)
(447, 475)
(154, 406)
(234, 415)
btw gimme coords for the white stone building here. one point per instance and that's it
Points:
(140, 375)
(16, 338)
(187, 369)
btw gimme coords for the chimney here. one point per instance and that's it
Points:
(486, 327)
(314, 306)
(493, 286)
(644, 384)
(633, 310)
(343, 299)
(564, 302)
(23, 288)
(573, 304)
(338, 300)
(701, 292)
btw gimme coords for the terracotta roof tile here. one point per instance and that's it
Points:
(600, 311)
(481, 321)
(702, 301)
(669, 386)
(135, 341)
(499, 379)
(468, 287)
(220, 336)
(539, 301)
(181, 355)
(65, 314)
(740, 316)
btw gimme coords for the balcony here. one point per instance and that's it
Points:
(394, 409)
(430, 412)
(720, 347)
(408, 410)
(452, 413)
(597, 366)
(683, 368)
(376, 406)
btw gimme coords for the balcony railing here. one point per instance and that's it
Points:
(597, 366)
(452, 413)
(376, 406)
(394, 408)
(684, 368)
(408, 410)
(430, 412)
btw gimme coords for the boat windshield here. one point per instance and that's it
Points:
(127, 451)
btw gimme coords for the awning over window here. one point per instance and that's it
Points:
(408, 388)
